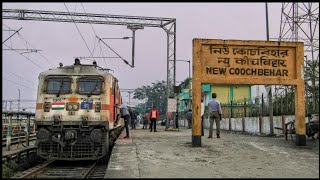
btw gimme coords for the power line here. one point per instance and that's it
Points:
(101, 52)
(36, 51)
(25, 57)
(78, 29)
(19, 76)
(12, 35)
(16, 83)
(7, 26)
(30, 45)
(125, 61)
(95, 39)
(92, 29)
(22, 100)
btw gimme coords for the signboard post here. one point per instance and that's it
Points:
(248, 62)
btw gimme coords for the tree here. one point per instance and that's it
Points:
(312, 84)
(156, 95)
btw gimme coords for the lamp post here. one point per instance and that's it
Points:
(188, 61)
(269, 86)
(129, 92)
(19, 101)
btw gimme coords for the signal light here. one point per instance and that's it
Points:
(98, 107)
(46, 107)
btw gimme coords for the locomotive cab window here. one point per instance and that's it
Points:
(58, 85)
(90, 85)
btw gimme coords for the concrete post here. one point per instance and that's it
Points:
(300, 123)
(9, 132)
(245, 107)
(260, 121)
(28, 130)
(231, 109)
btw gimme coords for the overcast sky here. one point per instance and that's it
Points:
(61, 42)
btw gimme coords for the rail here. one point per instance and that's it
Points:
(18, 154)
(35, 171)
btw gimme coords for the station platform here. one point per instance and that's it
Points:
(169, 154)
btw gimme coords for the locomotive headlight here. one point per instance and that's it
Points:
(75, 107)
(72, 106)
(69, 107)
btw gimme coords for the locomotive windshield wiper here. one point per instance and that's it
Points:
(60, 88)
(95, 88)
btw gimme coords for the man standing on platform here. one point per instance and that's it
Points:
(215, 113)
(202, 113)
(154, 115)
(124, 112)
(189, 118)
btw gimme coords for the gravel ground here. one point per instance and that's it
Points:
(166, 154)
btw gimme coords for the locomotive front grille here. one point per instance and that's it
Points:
(79, 151)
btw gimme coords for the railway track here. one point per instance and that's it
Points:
(73, 169)
(66, 170)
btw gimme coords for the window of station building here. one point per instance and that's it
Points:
(90, 85)
(58, 85)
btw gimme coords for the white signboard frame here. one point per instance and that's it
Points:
(172, 105)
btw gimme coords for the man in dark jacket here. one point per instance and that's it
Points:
(133, 120)
(189, 118)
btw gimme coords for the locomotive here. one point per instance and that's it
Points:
(75, 112)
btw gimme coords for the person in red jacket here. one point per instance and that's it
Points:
(154, 115)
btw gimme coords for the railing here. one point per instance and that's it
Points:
(18, 140)
(9, 115)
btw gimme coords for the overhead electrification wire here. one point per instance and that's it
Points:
(25, 57)
(111, 48)
(101, 52)
(28, 44)
(89, 23)
(78, 29)
(94, 47)
(16, 83)
(22, 100)
(18, 76)
(9, 32)
(36, 51)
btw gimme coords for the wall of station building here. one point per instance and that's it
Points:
(251, 124)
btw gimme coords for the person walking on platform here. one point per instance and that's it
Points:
(189, 118)
(124, 112)
(149, 121)
(215, 113)
(133, 120)
(154, 115)
(202, 113)
(139, 120)
(145, 121)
